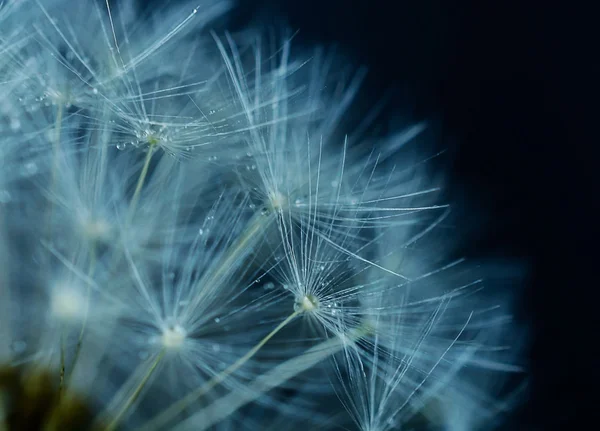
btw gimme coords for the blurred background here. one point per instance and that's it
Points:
(504, 84)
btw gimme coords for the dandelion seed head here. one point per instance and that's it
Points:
(133, 273)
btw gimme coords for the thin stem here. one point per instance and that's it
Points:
(176, 408)
(56, 146)
(138, 188)
(236, 251)
(134, 396)
(50, 216)
(88, 293)
(55, 164)
(230, 403)
(61, 379)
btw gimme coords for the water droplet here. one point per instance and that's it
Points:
(200, 231)
(121, 145)
(335, 308)
(31, 168)
(268, 286)
(95, 90)
(217, 319)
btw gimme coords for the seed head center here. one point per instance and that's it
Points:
(173, 337)
(306, 303)
(277, 200)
